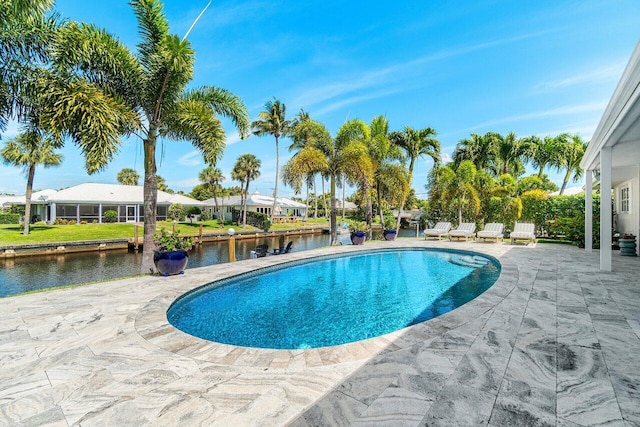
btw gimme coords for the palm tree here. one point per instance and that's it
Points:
(305, 133)
(28, 150)
(509, 152)
(570, 155)
(162, 184)
(128, 176)
(27, 32)
(479, 149)
(544, 152)
(213, 177)
(272, 121)
(246, 169)
(455, 186)
(143, 93)
(342, 156)
(416, 144)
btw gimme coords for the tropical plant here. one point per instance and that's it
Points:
(128, 176)
(416, 144)
(454, 187)
(509, 152)
(245, 170)
(212, 177)
(570, 156)
(164, 240)
(342, 156)
(175, 211)
(478, 149)
(143, 93)
(272, 121)
(28, 150)
(162, 184)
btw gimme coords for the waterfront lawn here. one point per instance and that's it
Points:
(11, 234)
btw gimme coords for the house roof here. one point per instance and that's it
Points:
(619, 126)
(36, 197)
(117, 194)
(255, 199)
(571, 191)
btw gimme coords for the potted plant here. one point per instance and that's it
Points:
(171, 253)
(358, 234)
(389, 232)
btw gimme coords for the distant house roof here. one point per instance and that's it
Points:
(36, 197)
(116, 194)
(255, 199)
(347, 205)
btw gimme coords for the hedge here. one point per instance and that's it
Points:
(9, 218)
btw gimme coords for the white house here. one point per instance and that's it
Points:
(614, 153)
(256, 202)
(89, 202)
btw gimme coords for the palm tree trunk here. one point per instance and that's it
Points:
(275, 187)
(324, 198)
(565, 181)
(150, 189)
(343, 190)
(406, 193)
(379, 197)
(306, 202)
(246, 196)
(332, 224)
(215, 201)
(541, 171)
(315, 199)
(369, 210)
(27, 202)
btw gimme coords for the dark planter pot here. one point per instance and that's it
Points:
(358, 237)
(627, 247)
(169, 263)
(389, 234)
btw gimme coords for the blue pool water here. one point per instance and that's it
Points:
(333, 300)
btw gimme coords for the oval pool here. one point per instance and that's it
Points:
(334, 299)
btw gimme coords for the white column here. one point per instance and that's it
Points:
(78, 213)
(100, 213)
(605, 209)
(588, 212)
(53, 212)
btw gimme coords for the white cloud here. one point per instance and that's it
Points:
(560, 111)
(183, 184)
(595, 76)
(192, 158)
(233, 138)
(446, 158)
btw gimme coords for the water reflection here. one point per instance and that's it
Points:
(38, 272)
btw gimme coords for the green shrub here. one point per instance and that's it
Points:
(205, 216)
(60, 221)
(194, 210)
(72, 222)
(110, 216)
(9, 218)
(176, 212)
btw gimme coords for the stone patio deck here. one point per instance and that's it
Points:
(554, 342)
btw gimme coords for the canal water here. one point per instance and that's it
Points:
(24, 274)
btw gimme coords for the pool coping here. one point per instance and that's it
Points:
(151, 322)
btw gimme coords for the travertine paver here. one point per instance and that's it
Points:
(553, 342)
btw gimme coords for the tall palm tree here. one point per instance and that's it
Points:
(245, 170)
(128, 176)
(212, 177)
(570, 155)
(27, 32)
(305, 133)
(28, 150)
(272, 121)
(144, 93)
(416, 144)
(341, 156)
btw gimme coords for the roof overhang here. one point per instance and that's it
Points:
(619, 127)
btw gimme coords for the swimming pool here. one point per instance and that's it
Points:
(333, 300)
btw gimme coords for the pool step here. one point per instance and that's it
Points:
(468, 261)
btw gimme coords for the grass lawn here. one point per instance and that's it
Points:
(11, 234)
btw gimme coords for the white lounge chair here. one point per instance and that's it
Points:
(439, 230)
(464, 231)
(492, 230)
(523, 231)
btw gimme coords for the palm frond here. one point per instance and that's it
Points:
(225, 103)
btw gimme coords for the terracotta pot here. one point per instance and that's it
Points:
(169, 263)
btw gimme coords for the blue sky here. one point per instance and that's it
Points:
(461, 67)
